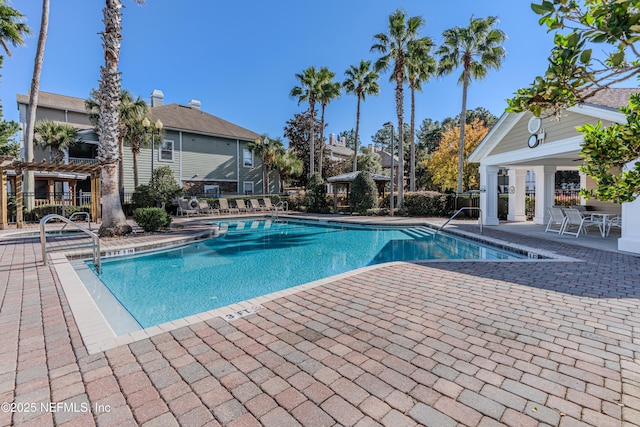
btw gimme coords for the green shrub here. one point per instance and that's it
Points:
(151, 219)
(364, 194)
(143, 197)
(427, 203)
(316, 199)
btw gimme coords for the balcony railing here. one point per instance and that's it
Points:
(83, 161)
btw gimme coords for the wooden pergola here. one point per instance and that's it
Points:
(8, 163)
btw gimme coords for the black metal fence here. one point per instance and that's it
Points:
(560, 198)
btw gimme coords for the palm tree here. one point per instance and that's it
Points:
(114, 223)
(477, 48)
(268, 149)
(360, 81)
(288, 166)
(421, 66)
(329, 90)
(12, 28)
(395, 47)
(308, 91)
(131, 114)
(139, 137)
(58, 136)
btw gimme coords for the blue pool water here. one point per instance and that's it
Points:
(256, 257)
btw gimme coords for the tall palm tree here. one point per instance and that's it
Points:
(421, 66)
(394, 47)
(308, 91)
(329, 90)
(130, 116)
(57, 136)
(268, 149)
(139, 137)
(114, 223)
(477, 49)
(361, 81)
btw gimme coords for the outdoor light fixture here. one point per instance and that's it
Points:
(389, 124)
(158, 126)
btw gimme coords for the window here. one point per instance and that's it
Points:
(166, 151)
(247, 158)
(247, 187)
(211, 190)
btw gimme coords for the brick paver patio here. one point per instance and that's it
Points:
(436, 344)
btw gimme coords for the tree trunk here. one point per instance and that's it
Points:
(312, 130)
(29, 184)
(463, 123)
(136, 181)
(266, 179)
(114, 222)
(355, 145)
(121, 169)
(400, 113)
(321, 145)
(412, 166)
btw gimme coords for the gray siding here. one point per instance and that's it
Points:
(208, 157)
(555, 130)
(144, 162)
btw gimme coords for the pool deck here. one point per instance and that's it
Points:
(447, 343)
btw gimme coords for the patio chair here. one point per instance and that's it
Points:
(241, 206)
(224, 206)
(255, 205)
(616, 221)
(205, 209)
(557, 218)
(575, 219)
(187, 207)
(267, 204)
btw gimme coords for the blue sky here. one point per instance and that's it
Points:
(239, 59)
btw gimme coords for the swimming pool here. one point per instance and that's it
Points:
(253, 257)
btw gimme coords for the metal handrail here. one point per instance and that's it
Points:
(94, 237)
(281, 204)
(466, 208)
(78, 214)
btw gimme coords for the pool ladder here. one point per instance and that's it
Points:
(466, 208)
(95, 239)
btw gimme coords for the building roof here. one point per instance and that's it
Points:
(339, 150)
(613, 98)
(350, 176)
(185, 118)
(385, 159)
(56, 101)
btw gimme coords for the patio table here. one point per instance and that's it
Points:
(604, 216)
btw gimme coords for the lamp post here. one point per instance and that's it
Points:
(156, 127)
(389, 124)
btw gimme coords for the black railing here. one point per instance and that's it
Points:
(560, 198)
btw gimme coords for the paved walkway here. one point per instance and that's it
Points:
(435, 344)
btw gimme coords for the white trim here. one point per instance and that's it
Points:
(542, 151)
(180, 166)
(497, 133)
(601, 113)
(252, 165)
(209, 179)
(253, 187)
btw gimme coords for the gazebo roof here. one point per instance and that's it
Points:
(349, 177)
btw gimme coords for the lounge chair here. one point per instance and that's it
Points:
(267, 204)
(241, 206)
(557, 219)
(575, 219)
(187, 207)
(224, 206)
(205, 209)
(255, 205)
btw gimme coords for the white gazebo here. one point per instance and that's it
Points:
(520, 142)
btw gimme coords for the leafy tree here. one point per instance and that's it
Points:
(350, 139)
(163, 186)
(58, 136)
(429, 135)
(477, 49)
(139, 136)
(329, 90)
(297, 132)
(310, 80)
(609, 149)
(394, 47)
(114, 222)
(288, 165)
(573, 75)
(361, 81)
(364, 193)
(316, 195)
(421, 66)
(268, 149)
(443, 165)
(368, 161)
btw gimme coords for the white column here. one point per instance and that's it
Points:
(630, 235)
(545, 192)
(517, 192)
(489, 194)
